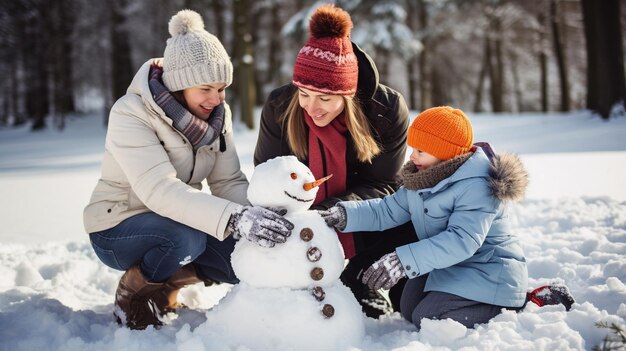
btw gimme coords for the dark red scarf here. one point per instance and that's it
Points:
(327, 155)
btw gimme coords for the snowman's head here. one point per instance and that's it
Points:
(283, 182)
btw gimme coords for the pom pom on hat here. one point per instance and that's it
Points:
(185, 21)
(194, 56)
(327, 63)
(330, 21)
(443, 132)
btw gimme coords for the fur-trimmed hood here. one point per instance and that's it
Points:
(508, 179)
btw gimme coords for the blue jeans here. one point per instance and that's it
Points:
(161, 246)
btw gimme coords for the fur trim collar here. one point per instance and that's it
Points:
(413, 179)
(508, 179)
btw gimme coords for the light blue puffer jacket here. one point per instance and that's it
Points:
(465, 242)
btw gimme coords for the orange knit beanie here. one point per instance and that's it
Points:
(443, 132)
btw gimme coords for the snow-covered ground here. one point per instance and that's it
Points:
(56, 295)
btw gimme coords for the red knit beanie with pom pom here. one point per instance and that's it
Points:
(327, 63)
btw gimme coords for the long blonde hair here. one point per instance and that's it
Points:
(356, 121)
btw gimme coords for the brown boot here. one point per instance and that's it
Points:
(166, 297)
(133, 305)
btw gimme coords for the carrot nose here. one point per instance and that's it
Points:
(311, 185)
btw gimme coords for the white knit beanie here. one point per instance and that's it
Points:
(192, 55)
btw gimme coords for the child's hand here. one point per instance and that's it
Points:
(335, 217)
(384, 273)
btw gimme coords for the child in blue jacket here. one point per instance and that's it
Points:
(466, 263)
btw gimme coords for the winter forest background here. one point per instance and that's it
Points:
(75, 56)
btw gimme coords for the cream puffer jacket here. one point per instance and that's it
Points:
(149, 166)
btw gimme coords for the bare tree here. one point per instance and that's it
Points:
(36, 62)
(10, 58)
(543, 61)
(244, 61)
(416, 21)
(219, 6)
(495, 65)
(61, 18)
(121, 63)
(556, 18)
(605, 57)
(482, 75)
(275, 44)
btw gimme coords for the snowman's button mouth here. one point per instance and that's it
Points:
(297, 198)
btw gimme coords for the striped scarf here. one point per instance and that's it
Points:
(197, 131)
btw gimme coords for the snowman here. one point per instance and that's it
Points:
(290, 296)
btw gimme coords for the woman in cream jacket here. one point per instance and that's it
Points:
(147, 215)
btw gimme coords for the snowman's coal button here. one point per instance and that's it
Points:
(317, 273)
(306, 234)
(319, 293)
(328, 310)
(314, 254)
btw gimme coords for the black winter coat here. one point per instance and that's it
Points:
(388, 116)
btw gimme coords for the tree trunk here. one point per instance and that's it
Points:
(8, 49)
(273, 73)
(255, 18)
(218, 14)
(244, 61)
(382, 60)
(495, 91)
(517, 89)
(438, 89)
(17, 88)
(36, 67)
(605, 58)
(499, 79)
(424, 60)
(62, 61)
(425, 77)
(543, 62)
(478, 99)
(561, 58)
(412, 17)
(121, 63)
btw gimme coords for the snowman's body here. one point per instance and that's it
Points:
(290, 295)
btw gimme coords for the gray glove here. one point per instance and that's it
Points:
(265, 227)
(335, 217)
(384, 273)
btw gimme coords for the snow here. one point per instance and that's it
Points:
(56, 295)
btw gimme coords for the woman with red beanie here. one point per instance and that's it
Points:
(338, 119)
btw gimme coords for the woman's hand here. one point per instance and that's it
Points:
(259, 225)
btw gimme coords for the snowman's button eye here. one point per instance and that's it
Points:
(294, 176)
